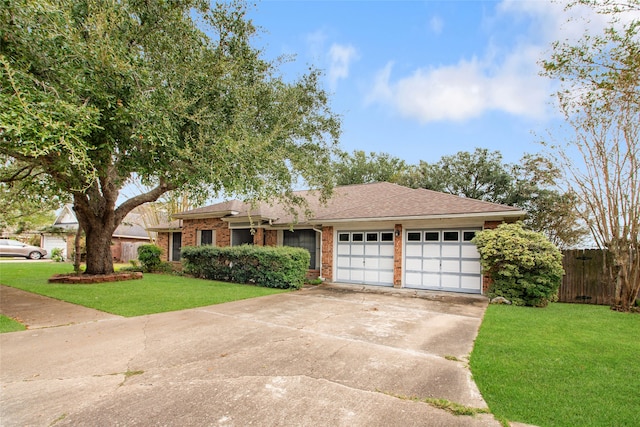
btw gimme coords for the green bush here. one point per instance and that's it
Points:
(274, 267)
(524, 266)
(149, 257)
(56, 255)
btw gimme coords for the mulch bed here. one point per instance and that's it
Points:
(94, 278)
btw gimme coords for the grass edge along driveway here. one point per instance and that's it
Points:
(154, 293)
(564, 365)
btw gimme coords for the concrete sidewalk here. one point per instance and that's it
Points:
(37, 311)
(334, 356)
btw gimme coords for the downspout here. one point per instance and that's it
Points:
(320, 231)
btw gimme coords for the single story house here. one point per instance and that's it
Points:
(375, 234)
(130, 231)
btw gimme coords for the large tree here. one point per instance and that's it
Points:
(97, 93)
(529, 184)
(360, 168)
(599, 95)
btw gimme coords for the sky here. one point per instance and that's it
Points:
(424, 79)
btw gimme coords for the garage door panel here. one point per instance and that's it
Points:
(363, 257)
(431, 265)
(414, 264)
(471, 283)
(343, 250)
(432, 251)
(413, 279)
(344, 262)
(371, 250)
(472, 267)
(386, 264)
(450, 266)
(371, 276)
(413, 250)
(449, 263)
(450, 281)
(450, 251)
(357, 262)
(357, 249)
(432, 280)
(469, 251)
(344, 275)
(357, 276)
(386, 250)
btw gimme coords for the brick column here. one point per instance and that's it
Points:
(258, 237)
(327, 253)
(397, 256)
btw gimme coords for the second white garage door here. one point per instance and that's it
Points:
(442, 260)
(365, 257)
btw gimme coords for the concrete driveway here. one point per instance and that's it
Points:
(325, 356)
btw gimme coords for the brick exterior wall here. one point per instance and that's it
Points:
(397, 256)
(258, 237)
(271, 237)
(162, 241)
(327, 253)
(190, 231)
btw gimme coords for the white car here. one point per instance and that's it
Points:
(13, 248)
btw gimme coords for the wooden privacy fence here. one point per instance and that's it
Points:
(129, 251)
(586, 279)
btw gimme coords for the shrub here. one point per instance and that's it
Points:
(524, 266)
(56, 255)
(149, 257)
(273, 267)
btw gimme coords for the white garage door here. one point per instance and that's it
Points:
(442, 260)
(365, 257)
(49, 243)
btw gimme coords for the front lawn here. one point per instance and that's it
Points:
(564, 365)
(155, 293)
(8, 324)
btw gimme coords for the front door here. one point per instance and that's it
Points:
(176, 245)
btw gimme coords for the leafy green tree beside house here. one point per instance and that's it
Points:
(97, 94)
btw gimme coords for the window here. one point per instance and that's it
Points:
(241, 236)
(413, 236)
(206, 237)
(467, 236)
(450, 236)
(372, 237)
(386, 237)
(305, 239)
(431, 236)
(357, 237)
(343, 237)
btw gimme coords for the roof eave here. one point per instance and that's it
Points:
(201, 215)
(488, 216)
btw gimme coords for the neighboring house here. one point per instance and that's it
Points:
(375, 234)
(130, 231)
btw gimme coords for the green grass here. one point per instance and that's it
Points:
(155, 293)
(564, 365)
(7, 324)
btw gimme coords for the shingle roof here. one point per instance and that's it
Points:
(376, 201)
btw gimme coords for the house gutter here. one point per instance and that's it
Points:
(320, 231)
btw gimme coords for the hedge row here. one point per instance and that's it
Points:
(273, 267)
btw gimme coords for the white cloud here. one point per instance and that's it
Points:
(505, 77)
(340, 58)
(467, 89)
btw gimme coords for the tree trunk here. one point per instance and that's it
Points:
(98, 216)
(99, 258)
(76, 247)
